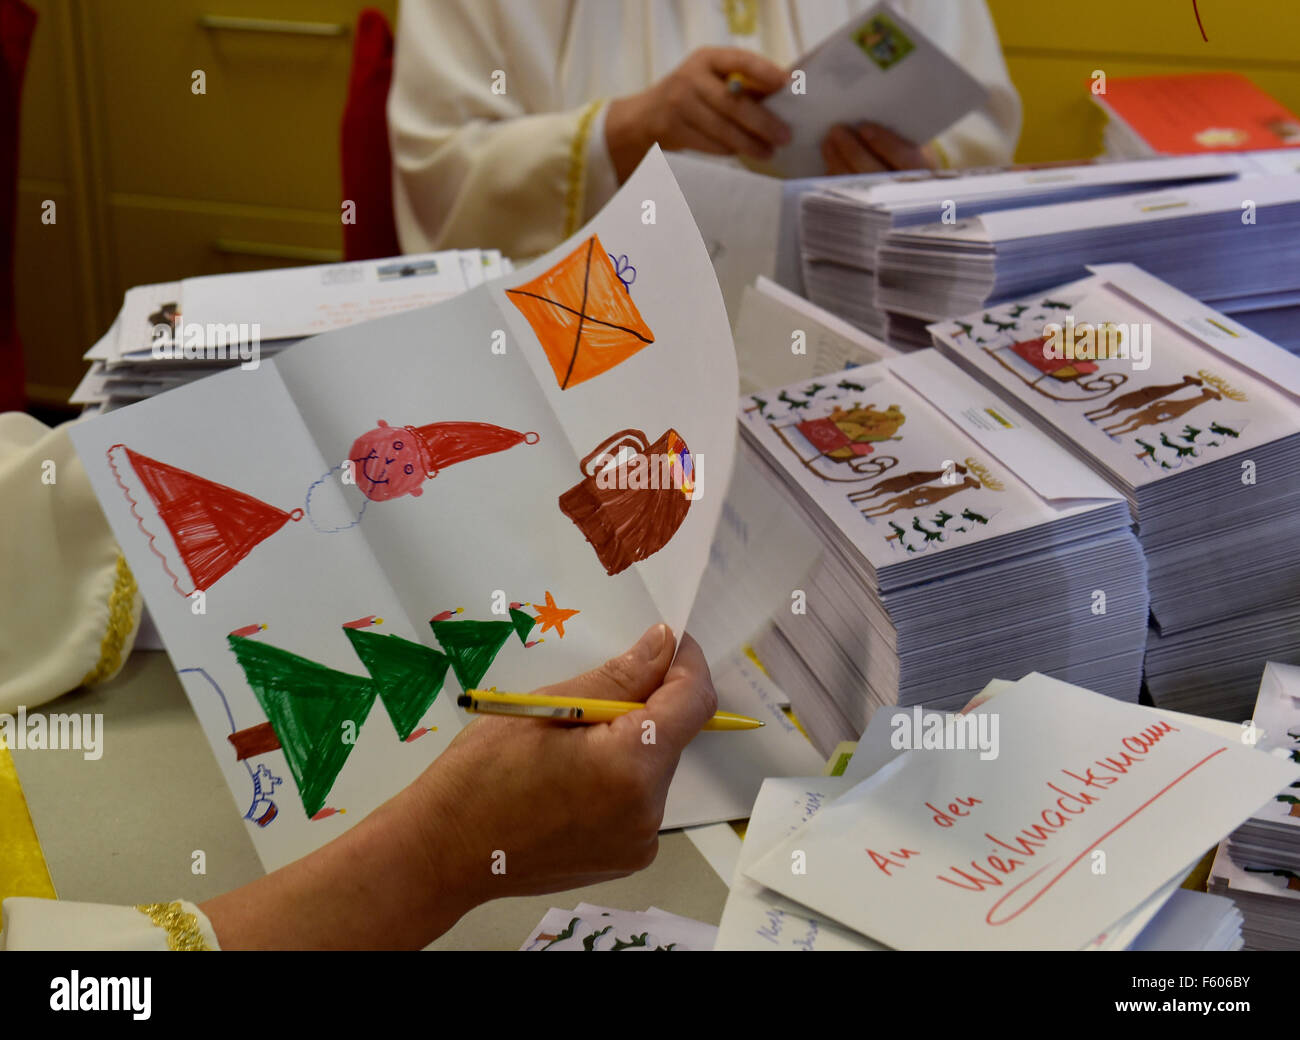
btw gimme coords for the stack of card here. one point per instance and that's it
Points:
(1074, 834)
(843, 224)
(1270, 840)
(597, 928)
(1218, 241)
(1269, 901)
(960, 542)
(1197, 421)
(169, 334)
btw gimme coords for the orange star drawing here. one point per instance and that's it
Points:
(552, 616)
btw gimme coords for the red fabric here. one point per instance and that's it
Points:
(17, 24)
(367, 158)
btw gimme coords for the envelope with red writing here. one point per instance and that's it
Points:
(1088, 807)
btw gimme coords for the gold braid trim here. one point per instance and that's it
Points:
(121, 602)
(183, 932)
(742, 16)
(577, 182)
(945, 163)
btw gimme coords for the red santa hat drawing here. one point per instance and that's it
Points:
(200, 529)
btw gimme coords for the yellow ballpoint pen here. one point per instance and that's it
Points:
(577, 709)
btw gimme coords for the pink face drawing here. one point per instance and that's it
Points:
(388, 462)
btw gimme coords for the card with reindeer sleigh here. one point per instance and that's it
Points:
(961, 544)
(502, 490)
(1197, 420)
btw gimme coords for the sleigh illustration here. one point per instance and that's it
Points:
(827, 452)
(1059, 379)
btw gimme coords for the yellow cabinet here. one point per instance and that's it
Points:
(175, 138)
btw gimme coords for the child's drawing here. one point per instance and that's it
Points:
(262, 810)
(200, 529)
(394, 461)
(582, 312)
(308, 705)
(633, 496)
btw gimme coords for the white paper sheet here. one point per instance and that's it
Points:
(276, 497)
(876, 68)
(949, 851)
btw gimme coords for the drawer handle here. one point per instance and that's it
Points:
(311, 254)
(271, 25)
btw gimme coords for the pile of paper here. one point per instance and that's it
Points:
(170, 334)
(1269, 842)
(1189, 114)
(1075, 834)
(842, 225)
(593, 928)
(1197, 421)
(1269, 901)
(1216, 241)
(959, 543)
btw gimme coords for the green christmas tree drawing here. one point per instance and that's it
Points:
(315, 713)
(474, 645)
(308, 706)
(407, 676)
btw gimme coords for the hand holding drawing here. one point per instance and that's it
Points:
(512, 807)
(693, 108)
(872, 148)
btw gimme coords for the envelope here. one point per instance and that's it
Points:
(582, 312)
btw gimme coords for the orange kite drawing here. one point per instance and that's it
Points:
(583, 315)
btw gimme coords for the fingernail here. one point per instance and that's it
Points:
(651, 644)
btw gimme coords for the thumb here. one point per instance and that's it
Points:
(631, 676)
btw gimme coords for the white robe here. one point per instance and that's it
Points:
(521, 170)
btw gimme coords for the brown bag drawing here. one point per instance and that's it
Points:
(624, 519)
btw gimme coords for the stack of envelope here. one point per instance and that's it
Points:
(1218, 241)
(842, 225)
(1011, 843)
(1197, 420)
(959, 542)
(171, 333)
(1269, 842)
(1269, 901)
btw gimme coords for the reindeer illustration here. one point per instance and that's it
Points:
(1161, 412)
(921, 496)
(902, 482)
(1137, 398)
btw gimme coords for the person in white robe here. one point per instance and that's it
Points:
(513, 121)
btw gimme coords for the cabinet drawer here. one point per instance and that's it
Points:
(165, 242)
(267, 129)
(55, 321)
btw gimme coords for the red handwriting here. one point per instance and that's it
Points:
(894, 859)
(1014, 852)
(944, 819)
(988, 918)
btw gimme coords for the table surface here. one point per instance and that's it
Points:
(124, 828)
